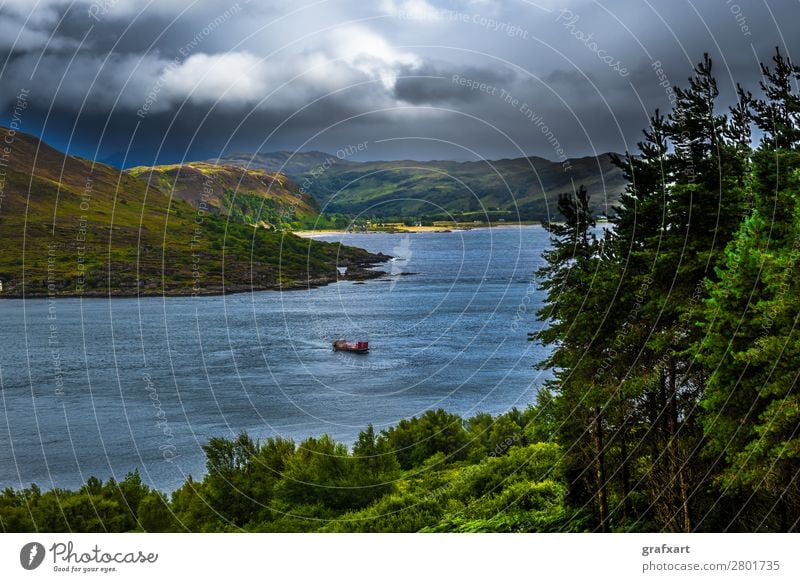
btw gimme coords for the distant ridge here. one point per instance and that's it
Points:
(508, 189)
(286, 162)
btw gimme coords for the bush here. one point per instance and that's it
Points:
(436, 431)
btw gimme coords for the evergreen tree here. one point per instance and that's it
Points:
(778, 113)
(571, 309)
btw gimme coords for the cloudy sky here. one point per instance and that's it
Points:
(135, 82)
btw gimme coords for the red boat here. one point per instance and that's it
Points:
(355, 347)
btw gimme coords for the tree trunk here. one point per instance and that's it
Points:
(678, 480)
(626, 485)
(600, 470)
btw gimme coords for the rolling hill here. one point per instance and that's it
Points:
(71, 227)
(253, 197)
(509, 189)
(287, 162)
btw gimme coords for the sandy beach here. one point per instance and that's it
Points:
(395, 228)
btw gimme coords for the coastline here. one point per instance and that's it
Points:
(363, 272)
(401, 228)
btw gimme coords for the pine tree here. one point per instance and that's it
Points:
(572, 309)
(676, 333)
(750, 347)
(778, 114)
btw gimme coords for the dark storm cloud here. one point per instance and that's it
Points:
(417, 78)
(436, 84)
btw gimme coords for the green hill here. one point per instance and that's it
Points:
(247, 196)
(286, 162)
(72, 227)
(510, 189)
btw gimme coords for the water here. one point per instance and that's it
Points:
(100, 387)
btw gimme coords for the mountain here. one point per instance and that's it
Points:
(253, 197)
(72, 227)
(289, 163)
(510, 189)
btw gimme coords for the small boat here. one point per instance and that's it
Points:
(355, 347)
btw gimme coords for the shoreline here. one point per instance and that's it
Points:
(366, 272)
(398, 228)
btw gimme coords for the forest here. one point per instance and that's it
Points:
(675, 348)
(674, 405)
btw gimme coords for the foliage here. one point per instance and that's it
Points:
(513, 190)
(321, 485)
(675, 353)
(90, 229)
(675, 348)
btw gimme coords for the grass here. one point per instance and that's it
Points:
(88, 229)
(519, 189)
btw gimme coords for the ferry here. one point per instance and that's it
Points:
(347, 346)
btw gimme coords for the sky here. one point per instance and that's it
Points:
(131, 82)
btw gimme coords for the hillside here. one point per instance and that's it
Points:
(246, 196)
(286, 162)
(71, 227)
(510, 189)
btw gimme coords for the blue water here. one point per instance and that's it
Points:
(100, 387)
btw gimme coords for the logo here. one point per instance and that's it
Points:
(31, 555)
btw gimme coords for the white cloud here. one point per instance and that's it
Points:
(235, 78)
(371, 54)
(411, 9)
(347, 56)
(228, 79)
(331, 61)
(13, 36)
(25, 25)
(35, 14)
